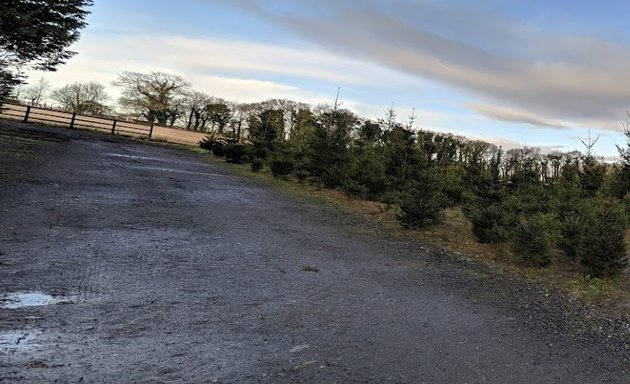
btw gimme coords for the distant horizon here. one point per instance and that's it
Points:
(117, 113)
(512, 74)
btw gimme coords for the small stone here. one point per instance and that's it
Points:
(310, 268)
(299, 348)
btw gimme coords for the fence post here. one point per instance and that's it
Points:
(151, 131)
(28, 111)
(114, 127)
(74, 116)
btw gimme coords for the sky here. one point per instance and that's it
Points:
(511, 72)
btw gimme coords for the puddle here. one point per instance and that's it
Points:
(133, 157)
(173, 170)
(17, 341)
(28, 299)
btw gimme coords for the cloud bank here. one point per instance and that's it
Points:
(232, 68)
(522, 74)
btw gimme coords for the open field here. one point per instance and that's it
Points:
(178, 136)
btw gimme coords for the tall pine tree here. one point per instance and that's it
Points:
(36, 34)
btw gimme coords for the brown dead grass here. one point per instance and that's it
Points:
(179, 136)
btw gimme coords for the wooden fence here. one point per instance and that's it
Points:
(15, 111)
(30, 114)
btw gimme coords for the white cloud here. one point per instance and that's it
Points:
(232, 69)
(251, 90)
(515, 115)
(401, 49)
(490, 55)
(507, 144)
(234, 57)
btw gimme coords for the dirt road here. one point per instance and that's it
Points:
(164, 268)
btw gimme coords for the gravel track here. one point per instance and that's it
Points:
(165, 268)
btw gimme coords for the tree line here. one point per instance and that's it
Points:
(155, 97)
(36, 34)
(569, 205)
(572, 204)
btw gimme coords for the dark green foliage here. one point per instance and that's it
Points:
(236, 153)
(262, 149)
(218, 150)
(570, 172)
(481, 186)
(562, 199)
(626, 203)
(490, 223)
(366, 174)
(591, 176)
(257, 165)
(402, 156)
(450, 182)
(533, 200)
(528, 201)
(571, 230)
(602, 250)
(37, 33)
(266, 129)
(491, 218)
(282, 165)
(206, 143)
(328, 154)
(219, 114)
(8, 81)
(301, 129)
(283, 160)
(497, 210)
(526, 173)
(267, 126)
(370, 132)
(421, 204)
(532, 239)
(209, 142)
(357, 189)
(214, 145)
(621, 178)
(301, 174)
(618, 183)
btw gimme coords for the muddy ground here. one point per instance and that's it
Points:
(162, 267)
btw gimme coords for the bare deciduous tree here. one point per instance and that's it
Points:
(194, 105)
(82, 97)
(35, 93)
(219, 114)
(240, 118)
(156, 96)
